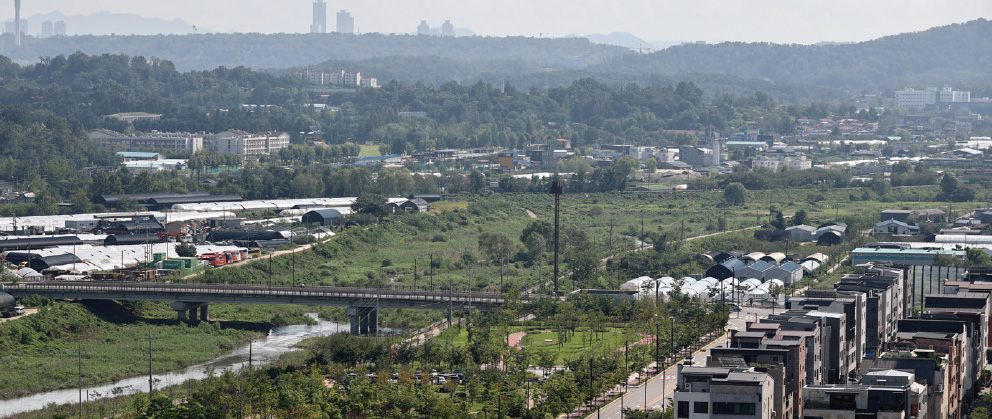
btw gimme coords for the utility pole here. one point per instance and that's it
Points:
(556, 190)
(432, 271)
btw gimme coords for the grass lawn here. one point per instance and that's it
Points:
(578, 343)
(369, 151)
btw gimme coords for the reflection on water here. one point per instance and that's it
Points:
(279, 341)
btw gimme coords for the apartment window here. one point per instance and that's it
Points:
(683, 410)
(700, 407)
(734, 409)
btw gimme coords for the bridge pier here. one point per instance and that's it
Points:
(182, 308)
(364, 320)
(204, 312)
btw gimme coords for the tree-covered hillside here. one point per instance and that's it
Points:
(951, 54)
(944, 55)
(207, 51)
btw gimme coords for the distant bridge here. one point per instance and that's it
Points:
(362, 303)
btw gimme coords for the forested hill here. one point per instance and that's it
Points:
(946, 55)
(527, 75)
(208, 51)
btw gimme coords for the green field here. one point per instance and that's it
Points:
(369, 151)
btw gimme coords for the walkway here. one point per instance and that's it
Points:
(687, 239)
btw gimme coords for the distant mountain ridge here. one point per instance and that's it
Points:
(939, 56)
(106, 23)
(948, 55)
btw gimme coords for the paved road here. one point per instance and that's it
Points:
(661, 388)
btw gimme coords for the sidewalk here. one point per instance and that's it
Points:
(639, 378)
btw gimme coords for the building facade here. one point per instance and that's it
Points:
(346, 23)
(177, 142)
(319, 17)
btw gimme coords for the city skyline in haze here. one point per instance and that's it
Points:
(778, 21)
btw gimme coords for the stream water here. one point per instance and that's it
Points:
(279, 341)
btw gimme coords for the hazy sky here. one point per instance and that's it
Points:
(784, 21)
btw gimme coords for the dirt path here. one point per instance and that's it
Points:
(687, 239)
(530, 213)
(27, 312)
(514, 339)
(273, 254)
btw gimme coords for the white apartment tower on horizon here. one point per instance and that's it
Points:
(346, 23)
(319, 24)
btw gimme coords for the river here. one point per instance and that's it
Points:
(279, 341)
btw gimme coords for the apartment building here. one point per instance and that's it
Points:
(705, 392)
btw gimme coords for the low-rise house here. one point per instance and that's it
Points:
(894, 227)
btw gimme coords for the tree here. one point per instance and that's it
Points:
(800, 218)
(901, 167)
(651, 164)
(498, 248)
(881, 186)
(948, 185)
(735, 194)
(305, 186)
(376, 205)
(186, 250)
(779, 220)
(539, 228)
(978, 257)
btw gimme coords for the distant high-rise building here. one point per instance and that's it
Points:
(319, 17)
(423, 28)
(18, 23)
(59, 29)
(346, 23)
(12, 28)
(447, 29)
(46, 29)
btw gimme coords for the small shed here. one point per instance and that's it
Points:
(324, 217)
(755, 270)
(428, 197)
(416, 204)
(726, 269)
(789, 273)
(801, 233)
(830, 238)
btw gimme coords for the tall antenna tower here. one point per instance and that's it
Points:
(17, 23)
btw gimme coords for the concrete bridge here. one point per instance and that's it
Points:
(362, 304)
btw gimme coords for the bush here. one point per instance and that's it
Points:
(386, 262)
(186, 250)
(439, 238)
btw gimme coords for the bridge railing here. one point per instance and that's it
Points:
(82, 287)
